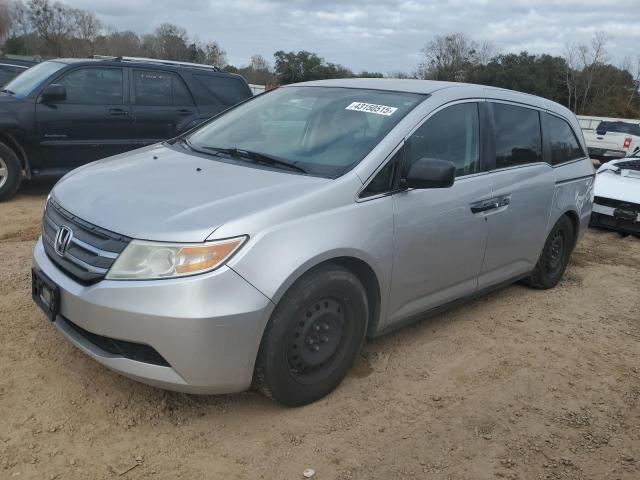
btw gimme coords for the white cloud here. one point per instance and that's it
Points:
(381, 35)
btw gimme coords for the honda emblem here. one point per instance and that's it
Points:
(62, 240)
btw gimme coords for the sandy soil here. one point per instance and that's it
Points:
(521, 384)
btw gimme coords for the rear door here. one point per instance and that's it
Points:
(92, 123)
(523, 188)
(162, 106)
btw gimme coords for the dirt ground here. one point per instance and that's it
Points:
(521, 384)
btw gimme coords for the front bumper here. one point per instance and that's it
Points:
(603, 216)
(207, 327)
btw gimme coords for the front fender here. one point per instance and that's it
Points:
(277, 257)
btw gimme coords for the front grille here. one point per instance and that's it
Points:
(130, 350)
(613, 203)
(91, 250)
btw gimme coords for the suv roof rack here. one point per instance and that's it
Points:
(156, 61)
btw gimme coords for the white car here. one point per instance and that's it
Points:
(616, 204)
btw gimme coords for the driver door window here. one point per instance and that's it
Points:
(452, 134)
(94, 86)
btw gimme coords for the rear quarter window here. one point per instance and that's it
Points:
(227, 90)
(564, 144)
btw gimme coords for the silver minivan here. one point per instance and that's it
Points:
(264, 246)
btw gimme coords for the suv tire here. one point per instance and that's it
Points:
(554, 257)
(10, 173)
(313, 337)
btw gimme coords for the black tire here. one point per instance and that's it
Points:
(313, 336)
(12, 176)
(554, 257)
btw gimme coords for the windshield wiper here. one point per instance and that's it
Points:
(258, 157)
(6, 90)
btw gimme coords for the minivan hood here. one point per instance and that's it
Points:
(164, 194)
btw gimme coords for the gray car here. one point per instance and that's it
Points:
(263, 247)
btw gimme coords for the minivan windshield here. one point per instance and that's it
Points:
(24, 83)
(323, 130)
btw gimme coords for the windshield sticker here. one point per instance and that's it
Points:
(372, 108)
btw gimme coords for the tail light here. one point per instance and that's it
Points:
(627, 143)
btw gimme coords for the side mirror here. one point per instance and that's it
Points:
(54, 93)
(430, 173)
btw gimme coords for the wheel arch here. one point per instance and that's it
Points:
(361, 269)
(575, 222)
(13, 144)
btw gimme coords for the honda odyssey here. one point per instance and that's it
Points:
(263, 247)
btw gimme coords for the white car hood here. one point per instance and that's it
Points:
(617, 182)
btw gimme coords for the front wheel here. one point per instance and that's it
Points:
(10, 173)
(554, 257)
(313, 336)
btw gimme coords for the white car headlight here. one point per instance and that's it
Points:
(143, 260)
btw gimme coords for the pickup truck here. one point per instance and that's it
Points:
(613, 139)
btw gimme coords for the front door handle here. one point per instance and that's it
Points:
(493, 204)
(118, 112)
(184, 112)
(484, 206)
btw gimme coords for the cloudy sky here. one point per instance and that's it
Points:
(380, 35)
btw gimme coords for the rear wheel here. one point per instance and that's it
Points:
(313, 336)
(554, 257)
(10, 173)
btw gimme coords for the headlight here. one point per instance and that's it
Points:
(143, 260)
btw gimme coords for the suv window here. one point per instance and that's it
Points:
(226, 90)
(93, 86)
(156, 88)
(518, 137)
(8, 72)
(564, 144)
(451, 134)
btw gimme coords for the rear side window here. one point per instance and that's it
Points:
(156, 88)
(226, 90)
(518, 138)
(564, 144)
(93, 86)
(451, 134)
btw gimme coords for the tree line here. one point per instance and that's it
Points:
(582, 78)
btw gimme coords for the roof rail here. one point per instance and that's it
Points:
(104, 57)
(157, 61)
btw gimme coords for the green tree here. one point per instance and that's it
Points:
(541, 75)
(451, 57)
(303, 66)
